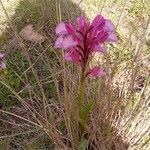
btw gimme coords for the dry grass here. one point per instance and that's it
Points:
(48, 87)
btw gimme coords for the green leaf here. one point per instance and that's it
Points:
(86, 110)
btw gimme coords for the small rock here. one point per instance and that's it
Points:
(28, 33)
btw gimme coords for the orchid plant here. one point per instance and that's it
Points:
(81, 40)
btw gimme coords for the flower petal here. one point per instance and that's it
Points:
(83, 24)
(61, 29)
(102, 36)
(73, 56)
(81, 21)
(112, 38)
(109, 26)
(99, 48)
(59, 42)
(2, 55)
(69, 42)
(96, 72)
(2, 65)
(68, 57)
(70, 28)
(99, 21)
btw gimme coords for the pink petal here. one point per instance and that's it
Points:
(96, 72)
(109, 26)
(99, 48)
(83, 24)
(2, 65)
(69, 42)
(70, 28)
(81, 21)
(99, 21)
(112, 38)
(102, 36)
(61, 29)
(2, 55)
(93, 34)
(68, 57)
(73, 56)
(59, 42)
(66, 42)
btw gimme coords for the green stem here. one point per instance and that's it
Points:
(81, 91)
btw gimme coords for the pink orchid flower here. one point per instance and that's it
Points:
(82, 39)
(2, 64)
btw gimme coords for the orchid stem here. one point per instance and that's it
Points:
(81, 91)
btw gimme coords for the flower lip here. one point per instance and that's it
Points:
(58, 43)
(61, 29)
(65, 42)
(73, 56)
(69, 42)
(96, 72)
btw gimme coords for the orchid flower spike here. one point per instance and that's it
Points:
(82, 39)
